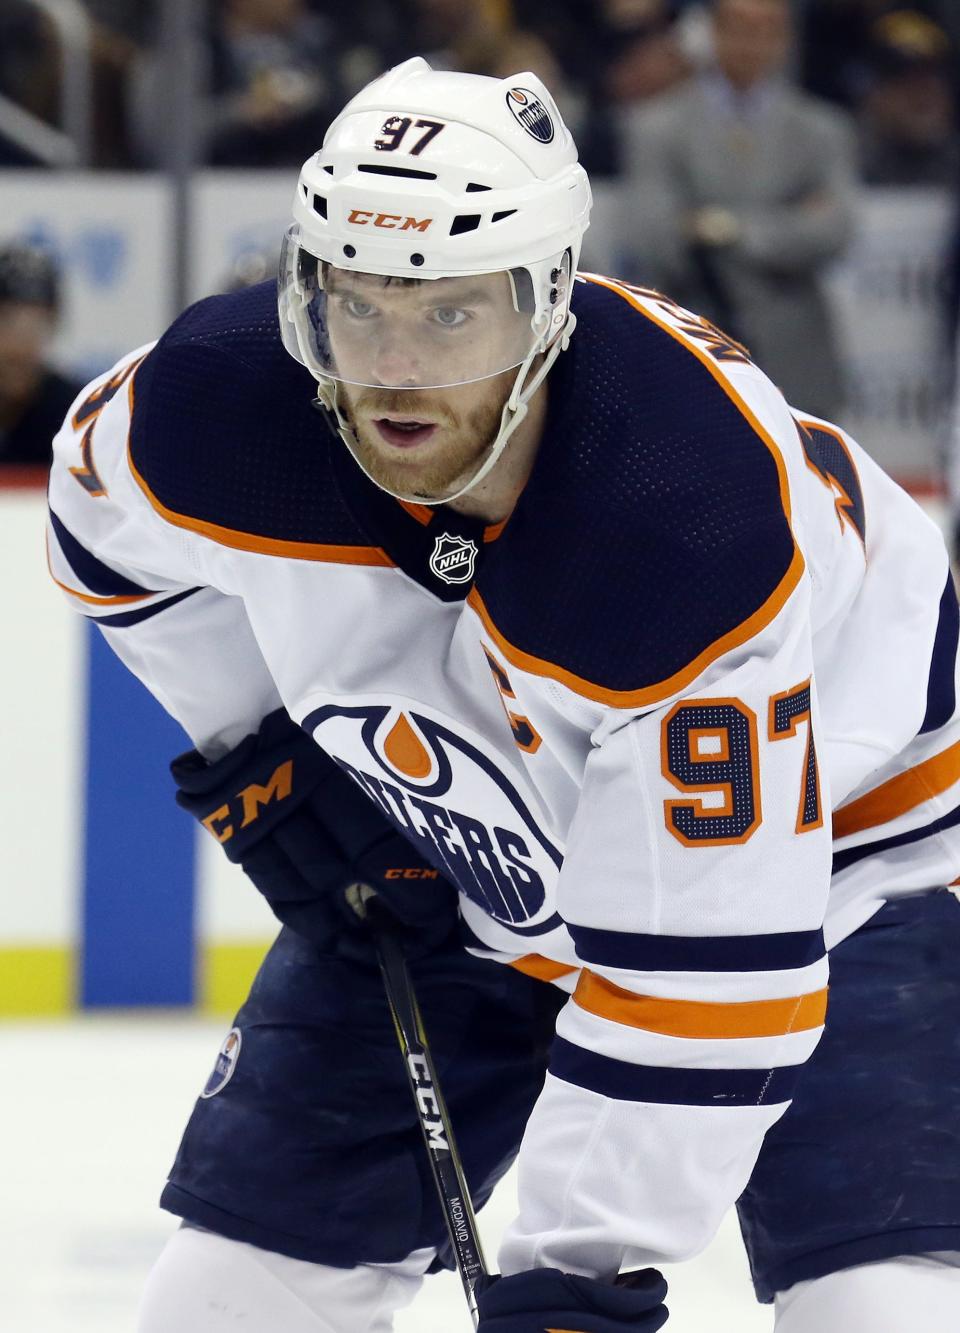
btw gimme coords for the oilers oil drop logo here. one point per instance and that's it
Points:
(453, 801)
(529, 110)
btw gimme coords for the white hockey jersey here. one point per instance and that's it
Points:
(621, 720)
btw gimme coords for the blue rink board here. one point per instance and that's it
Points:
(139, 871)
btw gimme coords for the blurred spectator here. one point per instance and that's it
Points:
(273, 84)
(644, 57)
(133, 19)
(836, 40)
(634, 55)
(615, 55)
(740, 190)
(34, 399)
(833, 42)
(907, 115)
(484, 38)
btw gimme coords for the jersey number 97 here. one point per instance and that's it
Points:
(709, 751)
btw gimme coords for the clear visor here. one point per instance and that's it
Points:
(404, 333)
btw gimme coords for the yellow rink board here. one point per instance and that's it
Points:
(226, 971)
(36, 980)
(41, 980)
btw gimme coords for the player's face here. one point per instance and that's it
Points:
(399, 339)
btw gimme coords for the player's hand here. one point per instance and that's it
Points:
(545, 1299)
(304, 833)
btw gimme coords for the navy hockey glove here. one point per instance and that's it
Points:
(303, 832)
(544, 1300)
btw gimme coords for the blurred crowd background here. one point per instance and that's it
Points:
(734, 147)
(276, 71)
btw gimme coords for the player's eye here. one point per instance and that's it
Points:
(449, 316)
(358, 309)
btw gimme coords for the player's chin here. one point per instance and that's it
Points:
(405, 469)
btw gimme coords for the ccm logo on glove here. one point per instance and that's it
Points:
(252, 798)
(304, 832)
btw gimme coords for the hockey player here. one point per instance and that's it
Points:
(569, 642)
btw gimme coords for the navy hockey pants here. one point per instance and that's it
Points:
(310, 1146)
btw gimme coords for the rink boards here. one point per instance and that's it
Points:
(109, 895)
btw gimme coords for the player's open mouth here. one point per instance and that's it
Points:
(404, 434)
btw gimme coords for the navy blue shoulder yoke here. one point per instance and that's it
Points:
(223, 430)
(653, 533)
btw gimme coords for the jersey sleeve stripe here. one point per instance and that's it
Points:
(622, 1081)
(900, 794)
(249, 541)
(941, 683)
(123, 619)
(849, 856)
(543, 969)
(683, 953)
(93, 573)
(87, 598)
(697, 1019)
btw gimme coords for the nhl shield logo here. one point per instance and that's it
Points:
(454, 559)
(528, 109)
(225, 1065)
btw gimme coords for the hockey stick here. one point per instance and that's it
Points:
(452, 1189)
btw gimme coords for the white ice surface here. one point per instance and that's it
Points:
(91, 1110)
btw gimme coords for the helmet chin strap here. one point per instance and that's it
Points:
(514, 411)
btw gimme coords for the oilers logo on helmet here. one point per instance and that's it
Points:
(424, 777)
(531, 113)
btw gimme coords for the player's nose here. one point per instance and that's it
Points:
(397, 363)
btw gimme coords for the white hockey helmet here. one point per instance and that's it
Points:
(433, 177)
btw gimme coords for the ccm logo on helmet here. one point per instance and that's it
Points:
(360, 217)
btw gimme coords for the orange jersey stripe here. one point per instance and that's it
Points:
(663, 689)
(900, 794)
(422, 513)
(544, 969)
(493, 530)
(248, 541)
(696, 1019)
